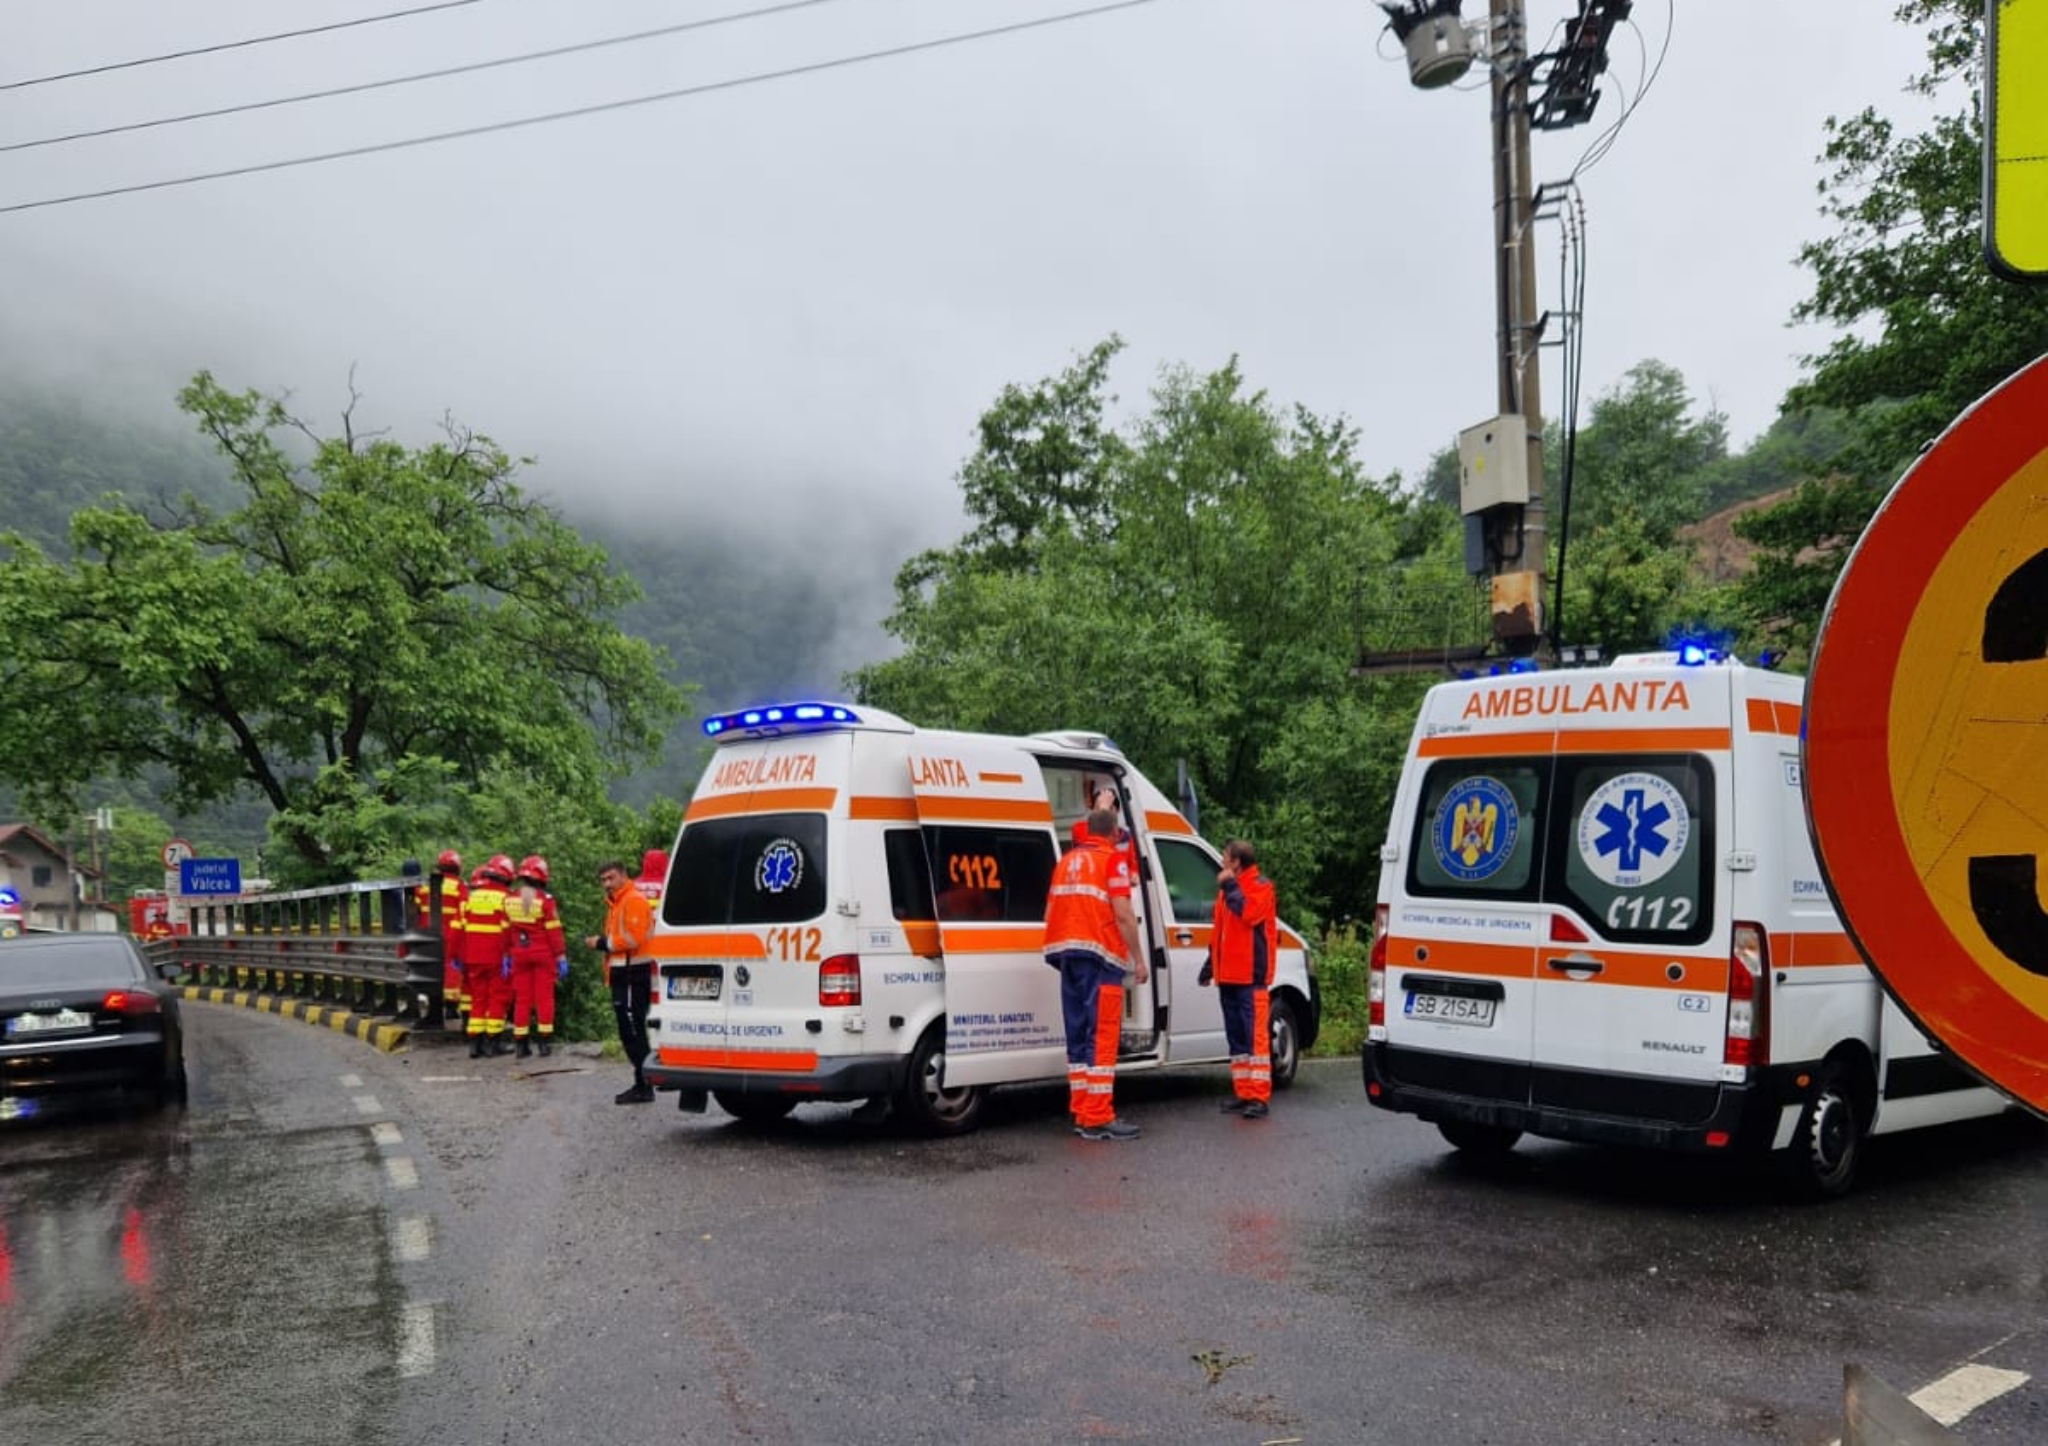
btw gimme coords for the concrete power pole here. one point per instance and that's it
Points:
(1515, 535)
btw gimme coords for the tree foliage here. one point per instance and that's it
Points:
(370, 623)
(1201, 594)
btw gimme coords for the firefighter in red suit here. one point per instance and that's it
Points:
(1091, 937)
(449, 867)
(1243, 942)
(539, 954)
(653, 877)
(484, 969)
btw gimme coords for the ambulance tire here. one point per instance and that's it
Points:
(923, 1104)
(1283, 1040)
(1477, 1139)
(1827, 1147)
(754, 1109)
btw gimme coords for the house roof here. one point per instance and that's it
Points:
(29, 833)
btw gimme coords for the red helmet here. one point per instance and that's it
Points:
(450, 862)
(479, 875)
(499, 867)
(534, 867)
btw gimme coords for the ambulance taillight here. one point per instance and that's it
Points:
(1749, 999)
(839, 980)
(1376, 970)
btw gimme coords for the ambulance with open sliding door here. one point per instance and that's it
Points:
(1600, 919)
(855, 911)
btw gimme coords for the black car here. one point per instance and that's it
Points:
(85, 1012)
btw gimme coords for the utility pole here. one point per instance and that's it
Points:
(1515, 534)
(1500, 461)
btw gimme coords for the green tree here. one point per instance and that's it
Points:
(1642, 452)
(1207, 604)
(1927, 327)
(372, 623)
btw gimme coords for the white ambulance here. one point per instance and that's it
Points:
(855, 911)
(1600, 919)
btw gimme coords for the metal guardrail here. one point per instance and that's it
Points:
(363, 945)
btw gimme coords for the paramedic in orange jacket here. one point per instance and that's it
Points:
(1242, 946)
(629, 970)
(1091, 937)
(539, 955)
(484, 970)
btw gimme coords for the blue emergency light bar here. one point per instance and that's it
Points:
(781, 716)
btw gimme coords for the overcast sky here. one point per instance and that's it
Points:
(790, 300)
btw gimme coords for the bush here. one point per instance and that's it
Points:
(1340, 958)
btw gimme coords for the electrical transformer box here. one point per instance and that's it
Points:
(1493, 464)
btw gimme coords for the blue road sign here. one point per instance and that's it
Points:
(209, 876)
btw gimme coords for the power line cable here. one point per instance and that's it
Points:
(1604, 142)
(235, 44)
(396, 80)
(576, 112)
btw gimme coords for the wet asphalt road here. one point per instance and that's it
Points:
(332, 1245)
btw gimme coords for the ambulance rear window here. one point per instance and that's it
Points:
(1478, 829)
(761, 869)
(989, 874)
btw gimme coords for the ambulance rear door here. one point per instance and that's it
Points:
(1632, 974)
(746, 919)
(988, 832)
(1466, 924)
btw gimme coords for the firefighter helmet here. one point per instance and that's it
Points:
(534, 867)
(499, 867)
(450, 862)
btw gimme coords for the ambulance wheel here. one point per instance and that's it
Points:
(754, 1109)
(925, 1103)
(1476, 1139)
(1283, 1043)
(1828, 1145)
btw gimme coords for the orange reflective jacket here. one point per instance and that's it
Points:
(1247, 932)
(1079, 917)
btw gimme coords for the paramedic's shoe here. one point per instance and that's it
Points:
(1232, 1105)
(1114, 1130)
(641, 1093)
(1255, 1110)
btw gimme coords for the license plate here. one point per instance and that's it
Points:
(1451, 1009)
(692, 986)
(64, 1021)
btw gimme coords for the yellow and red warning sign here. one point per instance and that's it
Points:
(1926, 753)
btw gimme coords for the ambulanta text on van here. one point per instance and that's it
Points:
(855, 911)
(1600, 919)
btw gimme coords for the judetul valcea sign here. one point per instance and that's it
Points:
(1926, 739)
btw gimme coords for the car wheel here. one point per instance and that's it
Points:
(764, 1109)
(1283, 1040)
(1477, 1139)
(926, 1103)
(1827, 1147)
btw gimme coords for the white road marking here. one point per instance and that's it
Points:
(414, 1238)
(351, 1081)
(1948, 1400)
(385, 1134)
(401, 1172)
(368, 1105)
(416, 1340)
(1963, 1390)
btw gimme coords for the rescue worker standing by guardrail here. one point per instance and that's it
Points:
(540, 958)
(628, 926)
(453, 893)
(1091, 937)
(484, 966)
(1241, 954)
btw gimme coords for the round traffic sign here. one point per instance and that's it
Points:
(176, 852)
(1926, 752)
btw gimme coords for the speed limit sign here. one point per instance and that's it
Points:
(176, 852)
